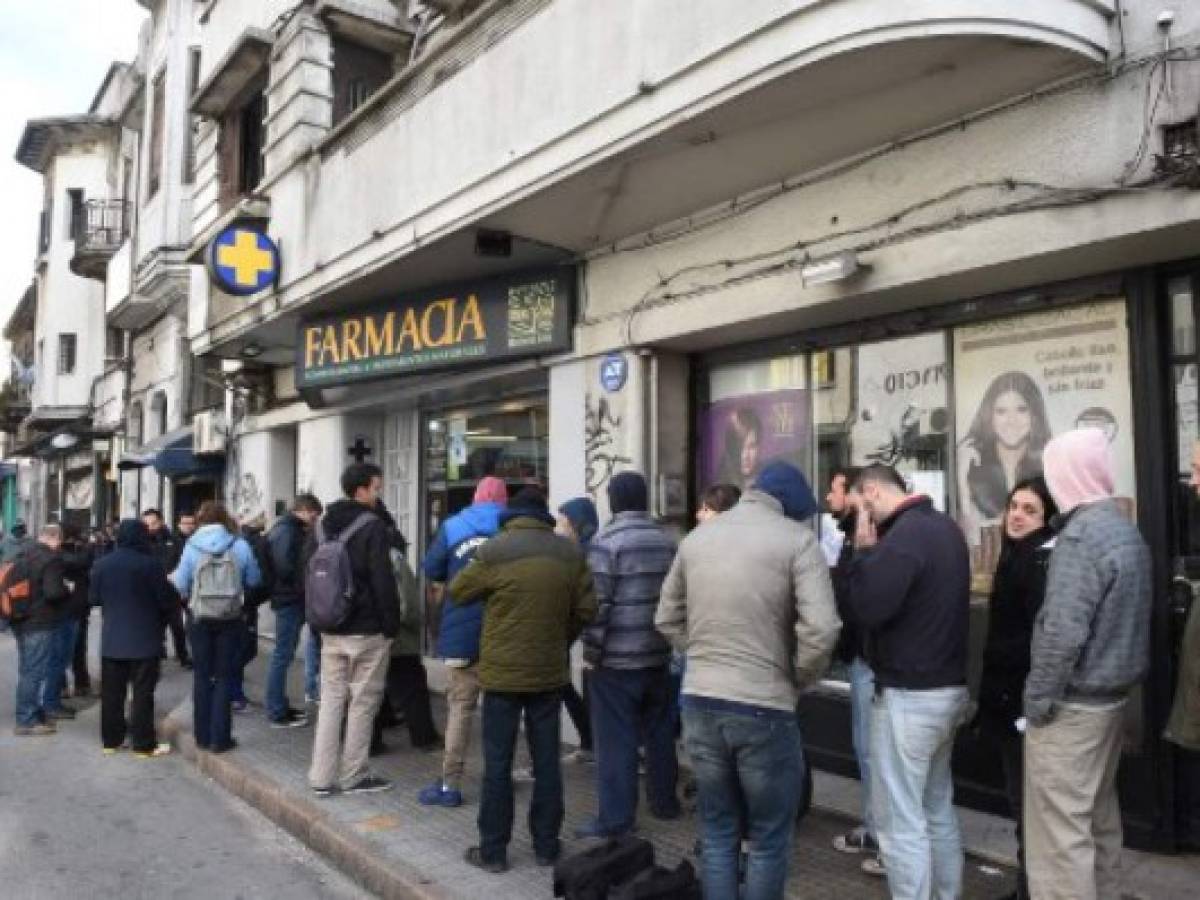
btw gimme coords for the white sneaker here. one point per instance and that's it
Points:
(873, 865)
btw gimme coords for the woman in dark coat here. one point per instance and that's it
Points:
(1017, 594)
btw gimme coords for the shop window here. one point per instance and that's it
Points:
(241, 149)
(66, 354)
(158, 99)
(357, 73)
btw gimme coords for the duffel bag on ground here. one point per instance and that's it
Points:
(591, 873)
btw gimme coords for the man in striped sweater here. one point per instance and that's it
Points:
(629, 682)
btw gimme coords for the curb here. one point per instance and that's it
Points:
(304, 820)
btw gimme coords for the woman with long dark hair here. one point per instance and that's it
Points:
(1017, 594)
(1004, 445)
(742, 455)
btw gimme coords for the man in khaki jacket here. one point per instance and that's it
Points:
(750, 602)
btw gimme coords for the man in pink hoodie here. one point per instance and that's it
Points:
(1091, 646)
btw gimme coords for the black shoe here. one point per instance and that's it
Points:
(232, 745)
(372, 784)
(63, 712)
(293, 718)
(378, 748)
(474, 857)
(185, 662)
(547, 860)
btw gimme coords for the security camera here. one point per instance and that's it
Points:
(1166, 19)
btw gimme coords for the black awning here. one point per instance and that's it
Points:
(177, 459)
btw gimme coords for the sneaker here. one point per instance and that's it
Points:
(36, 730)
(873, 865)
(62, 712)
(293, 718)
(111, 751)
(856, 840)
(579, 757)
(438, 794)
(371, 784)
(327, 791)
(474, 857)
(159, 750)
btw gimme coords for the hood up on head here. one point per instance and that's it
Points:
(581, 513)
(134, 534)
(1078, 468)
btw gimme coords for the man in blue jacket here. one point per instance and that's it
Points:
(130, 586)
(458, 639)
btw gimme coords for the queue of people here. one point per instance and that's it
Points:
(747, 611)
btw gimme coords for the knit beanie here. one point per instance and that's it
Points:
(529, 499)
(627, 493)
(581, 513)
(787, 484)
(491, 490)
(1078, 468)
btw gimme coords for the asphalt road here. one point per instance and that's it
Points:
(75, 823)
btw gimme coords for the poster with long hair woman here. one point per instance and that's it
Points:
(741, 434)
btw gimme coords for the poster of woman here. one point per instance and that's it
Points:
(742, 434)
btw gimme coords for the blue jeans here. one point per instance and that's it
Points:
(501, 720)
(862, 699)
(34, 651)
(215, 654)
(288, 622)
(749, 769)
(312, 665)
(912, 791)
(629, 708)
(62, 649)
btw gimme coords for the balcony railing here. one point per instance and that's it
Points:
(98, 234)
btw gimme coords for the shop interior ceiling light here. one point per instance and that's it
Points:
(838, 267)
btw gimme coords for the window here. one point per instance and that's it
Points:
(77, 220)
(158, 409)
(114, 344)
(206, 389)
(241, 149)
(189, 157)
(136, 424)
(66, 354)
(358, 72)
(157, 101)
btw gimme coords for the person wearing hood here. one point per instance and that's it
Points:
(1018, 590)
(536, 591)
(909, 590)
(215, 644)
(452, 549)
(578, 521)
(749, 600)
(135, 599)
(629, 680)
(1091, 648)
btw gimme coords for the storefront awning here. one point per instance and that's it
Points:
(177, 459)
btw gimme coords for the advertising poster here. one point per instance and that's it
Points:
(1020, 381)
(742, 434)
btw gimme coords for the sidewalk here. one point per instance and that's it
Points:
(398, 848)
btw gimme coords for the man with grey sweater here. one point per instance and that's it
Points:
(1091, 646)
(749, 600)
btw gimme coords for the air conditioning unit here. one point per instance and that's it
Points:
(208, 433)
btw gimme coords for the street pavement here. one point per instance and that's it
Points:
(75, 823)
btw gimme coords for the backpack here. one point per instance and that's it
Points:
(591, 873)
(329, 578)
(16, 591)
(217, 593)
(657, 883)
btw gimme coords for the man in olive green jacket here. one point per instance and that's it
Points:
(538, 595)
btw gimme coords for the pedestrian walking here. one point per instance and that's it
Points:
(749, 600)
(1018, 589)
(537, 596)
(578, 521)
(909, 590)
(1091, 648)
(135, 599)
(285, 543)
(40, 564)
(453, 548)
(216, 569)
(168, 549)
(353, 540)
(629, 681)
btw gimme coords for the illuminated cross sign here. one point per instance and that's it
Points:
(243, 260)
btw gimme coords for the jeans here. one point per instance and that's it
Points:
(116, 677)
(33, 663)
(630, 707)
(215, 648)
(749, 768)
(247, 650)
(501, 720)
(312, 665)
(62, 649)
(288, 622)
(912, 791)
(862, 698)
(353, 671)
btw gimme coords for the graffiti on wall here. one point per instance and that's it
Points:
(248, 499)
(601, 426)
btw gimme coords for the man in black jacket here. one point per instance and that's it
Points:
(285, 543)
(354, 657)
(909, 589)
(42, 564)
(167, 549)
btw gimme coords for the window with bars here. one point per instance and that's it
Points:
(66, 354)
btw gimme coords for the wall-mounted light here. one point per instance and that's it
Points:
(829, 269)
(252, 350)
(64, 441)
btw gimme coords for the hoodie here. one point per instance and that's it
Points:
(376, 600)
(214, 539)
(132, 591)
(1078, 468)
(454, 546)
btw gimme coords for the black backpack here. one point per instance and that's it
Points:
(657, 883)
(592, 873)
